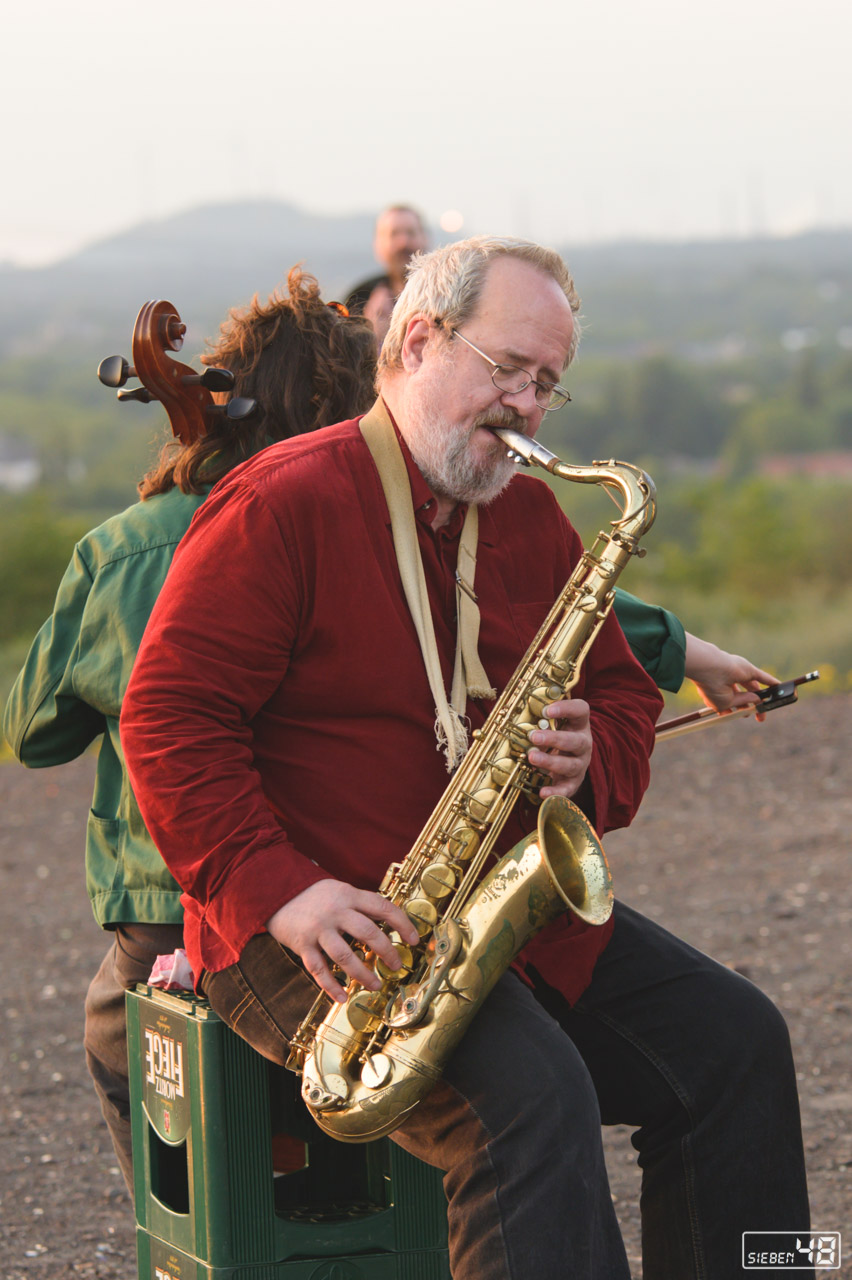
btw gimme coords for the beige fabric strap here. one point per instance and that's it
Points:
(469, 678)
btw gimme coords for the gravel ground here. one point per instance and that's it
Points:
(742, 847)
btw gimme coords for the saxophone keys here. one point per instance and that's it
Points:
(365, 1008)
(438, 880)
(332, 1093)
(406, 956)
(422, 913)
(376, 1071)
(480, 804)
(542, 697)
(519, 737)
(502, 770)
(463, 844)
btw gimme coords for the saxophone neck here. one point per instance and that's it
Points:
(638, 495)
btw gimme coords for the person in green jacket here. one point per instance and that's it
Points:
(307, 364)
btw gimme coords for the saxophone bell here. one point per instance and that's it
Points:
(576, 860)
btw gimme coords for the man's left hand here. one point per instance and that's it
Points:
(564, 753)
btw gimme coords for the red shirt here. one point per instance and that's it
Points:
(279, 726)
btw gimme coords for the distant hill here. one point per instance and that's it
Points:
(215, 256)
(204, 261)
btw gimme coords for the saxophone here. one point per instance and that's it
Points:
(367, 1063)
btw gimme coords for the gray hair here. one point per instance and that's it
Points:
(445, 284)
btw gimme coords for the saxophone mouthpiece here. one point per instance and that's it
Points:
(524, 449)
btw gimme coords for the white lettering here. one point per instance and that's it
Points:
(164, 1064)
(826, 1251)
(149, 1056)
(807, 1249)
(177, 1055)
(817, 1250)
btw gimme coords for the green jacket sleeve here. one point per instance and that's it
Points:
(656, 637)
(45, 722)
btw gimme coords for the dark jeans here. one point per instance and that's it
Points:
(128, 961)
(692, 1055)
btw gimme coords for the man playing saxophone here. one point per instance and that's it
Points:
(288, 728)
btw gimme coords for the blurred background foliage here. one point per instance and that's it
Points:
(724, 370)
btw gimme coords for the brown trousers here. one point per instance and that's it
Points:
(128, 961)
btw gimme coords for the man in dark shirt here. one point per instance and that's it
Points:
(280, 733)
(400, 233)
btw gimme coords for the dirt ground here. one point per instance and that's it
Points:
(742, 847)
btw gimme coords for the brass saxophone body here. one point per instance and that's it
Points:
(367, 1063)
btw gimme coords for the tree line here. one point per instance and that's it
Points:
(741, 554)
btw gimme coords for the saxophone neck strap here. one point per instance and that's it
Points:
(469, 678)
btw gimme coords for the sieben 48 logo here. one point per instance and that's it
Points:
(791, 1250)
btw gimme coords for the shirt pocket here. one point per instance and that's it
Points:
(527, 619)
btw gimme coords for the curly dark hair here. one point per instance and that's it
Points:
(306, 363)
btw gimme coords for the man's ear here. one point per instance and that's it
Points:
(417, 334)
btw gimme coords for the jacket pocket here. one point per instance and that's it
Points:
(102, 837)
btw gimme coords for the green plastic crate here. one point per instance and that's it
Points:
(211, 1121)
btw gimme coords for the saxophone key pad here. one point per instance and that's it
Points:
(438, 880)
(376, 1071)
(519, 737)
(364, 1008)
(422, 914)
(406, 956)
(332, 1093)
(463, 843)
(481, 803)
(543, 696)
(502, 770)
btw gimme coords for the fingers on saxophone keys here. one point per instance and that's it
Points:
(547, 754)
(375, 940)
(349, 960)
(315, 963)
(374, 905)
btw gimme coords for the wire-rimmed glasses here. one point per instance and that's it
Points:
(510, 378)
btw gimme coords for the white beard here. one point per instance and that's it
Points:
(443, 453)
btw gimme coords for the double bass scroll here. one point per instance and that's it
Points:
(185, 394)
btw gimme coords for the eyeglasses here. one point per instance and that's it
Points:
(508, 377)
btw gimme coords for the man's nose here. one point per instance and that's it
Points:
(523, 402)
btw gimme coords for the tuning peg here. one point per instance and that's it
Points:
(114, 371)
(142, 394)
(212, 379)
(240, 409)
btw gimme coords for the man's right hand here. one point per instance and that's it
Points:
(313, 925)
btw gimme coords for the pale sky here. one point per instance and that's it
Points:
(562, 121)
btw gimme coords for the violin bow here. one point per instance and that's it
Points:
(771, 697)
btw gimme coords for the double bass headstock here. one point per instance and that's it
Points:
(185, 394)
